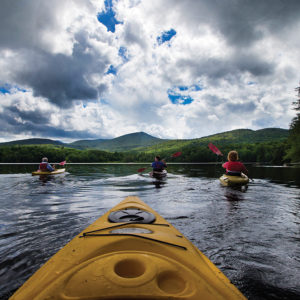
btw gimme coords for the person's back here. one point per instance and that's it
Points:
(158, 165)
(233, 166)
(45, 166)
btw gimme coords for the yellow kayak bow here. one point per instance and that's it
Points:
(130, 252)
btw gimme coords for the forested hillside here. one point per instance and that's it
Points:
(266, 145)
(270, 152)
(32, 142)
(34, 153)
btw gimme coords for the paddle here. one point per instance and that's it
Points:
(176, 154)
(214, 149)
(173, 155)
(62, 163)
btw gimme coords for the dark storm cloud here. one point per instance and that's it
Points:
(36, 123)
(230, 69)
(235, 108)
(240, 108)
(60, 78)
(22, 22)
(37, 115)
(241, 22)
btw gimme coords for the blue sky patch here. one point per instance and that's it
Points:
(180, 94)
(7, 89)
(196, 88)
(183, 88)
(177, 98)
(192, 88)
(4, 90)
(112, 70)
(123, 53)
(166, 36)
(107, 17)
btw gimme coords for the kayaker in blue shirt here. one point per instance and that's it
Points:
(45, 166)
(158, 165)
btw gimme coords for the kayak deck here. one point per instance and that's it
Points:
(130, 252)
(57, 171)
(228, 180)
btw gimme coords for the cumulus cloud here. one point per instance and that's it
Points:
(22, 115)
(56, 49)
(172, 68)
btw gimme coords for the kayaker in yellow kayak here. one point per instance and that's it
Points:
(45, 166)
(233, 166)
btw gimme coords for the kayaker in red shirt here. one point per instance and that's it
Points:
(233, 166)
(45, 166)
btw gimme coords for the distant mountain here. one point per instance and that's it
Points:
(141, 141)
(238, 136)
(84, 144)
(33, 142)
(249, 136)
(121, 143)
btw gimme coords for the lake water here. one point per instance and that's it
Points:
(252, 235)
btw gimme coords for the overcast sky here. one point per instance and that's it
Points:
(77, 69)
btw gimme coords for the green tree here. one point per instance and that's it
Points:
(293, 153)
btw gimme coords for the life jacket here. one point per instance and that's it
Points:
(43, 166)
(234, 168)
(158, 166)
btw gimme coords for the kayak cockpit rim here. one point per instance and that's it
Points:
(93, 233)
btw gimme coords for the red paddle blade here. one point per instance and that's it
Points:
(141, 170)
(214, 149)
(176, 154)
(62, 163)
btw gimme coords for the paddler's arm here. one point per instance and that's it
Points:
(49, 167)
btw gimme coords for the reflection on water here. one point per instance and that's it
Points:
(232, 195)
(251, 234)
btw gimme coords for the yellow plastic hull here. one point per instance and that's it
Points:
(128, 260)
(58, 171)
(228, 180)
